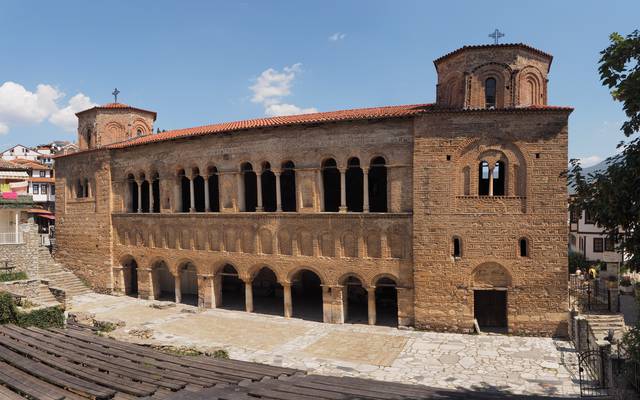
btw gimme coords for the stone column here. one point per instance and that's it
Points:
(118, 281)
(259, 206)
(153, 294)
(239, 183)
(207, 202)
(151, 196)
(371, 304)
(343, 190)
(248, 296)
(332, 305)
(145, 284)
(278, 194)
(491, 167)
(178, 288)
(582, 332)
(192, 197)
(288, 306)
(365, 190)
(320, 190)
(139, 183)
(205, 291)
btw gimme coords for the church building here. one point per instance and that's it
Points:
(438, 215)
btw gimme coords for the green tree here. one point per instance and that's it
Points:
(612, 196)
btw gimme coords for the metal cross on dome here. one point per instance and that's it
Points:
(496, 35)
(115, 94)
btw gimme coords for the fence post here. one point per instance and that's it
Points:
(606, 371)
(581, 333)
(614, 300)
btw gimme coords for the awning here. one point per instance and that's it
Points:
(51, 217)
(39, 211)
(13, 174)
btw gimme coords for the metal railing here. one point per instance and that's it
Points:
(10, 237)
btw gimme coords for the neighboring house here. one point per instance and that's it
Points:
(20, 151)
(14, 200)
(41, 183)
(587, 238)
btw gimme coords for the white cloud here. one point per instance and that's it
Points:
(589, 161)
(272, 85)
(275, 110)
(337, 36)
(66, 118)
(21, 106)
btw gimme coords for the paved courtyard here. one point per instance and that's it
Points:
(520, 365)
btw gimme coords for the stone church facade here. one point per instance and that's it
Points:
(428, 215)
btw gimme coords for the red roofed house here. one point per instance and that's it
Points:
(433, 215)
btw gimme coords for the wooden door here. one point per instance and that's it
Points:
(490, 308)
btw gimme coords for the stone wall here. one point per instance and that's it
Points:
(490, 227)
(83, 226)
(27, 256)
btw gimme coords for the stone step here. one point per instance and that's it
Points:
(44, 296)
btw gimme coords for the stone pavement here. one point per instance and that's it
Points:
(519, 365)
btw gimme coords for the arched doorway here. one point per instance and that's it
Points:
(378, 185)
(306, 295)
(355, 300)
(354, 185)
(130, 271)
(164, 283)
(490, 283)
(189, 284)
(231, 289)
(386, 302)
(268, 295)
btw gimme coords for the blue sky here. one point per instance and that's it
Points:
(199, 62)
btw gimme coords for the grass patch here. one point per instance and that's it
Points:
(12, 276)
(50, 317)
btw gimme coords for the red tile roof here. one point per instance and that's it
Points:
(111, 106)
(30, 163)
(488, 46)
(306, 119)
(301, 119)
(6, 165)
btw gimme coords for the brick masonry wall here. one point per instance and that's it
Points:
(83, 226)
(490, 228)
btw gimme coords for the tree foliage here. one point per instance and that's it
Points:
(612, 196)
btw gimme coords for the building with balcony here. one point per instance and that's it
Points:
(435, 215)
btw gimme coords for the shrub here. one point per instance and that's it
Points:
(50, 317)
(12, 276)
(625, 281)
(7, 309)
(577, 260)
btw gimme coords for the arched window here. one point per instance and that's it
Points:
(457, 247)
(331, 185)
(498, 179)
(268, 183)
(483, 179)
(144, 191)
(288, 186)
(198, 190)
(185, 191)
(250, 191)
(155, 186)
(490, 93)
(214, 191)
(378, 185)
(133, 194)
(524, 247)
(86, 188)
(354, 185)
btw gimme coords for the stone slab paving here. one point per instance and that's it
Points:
(520, 365)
